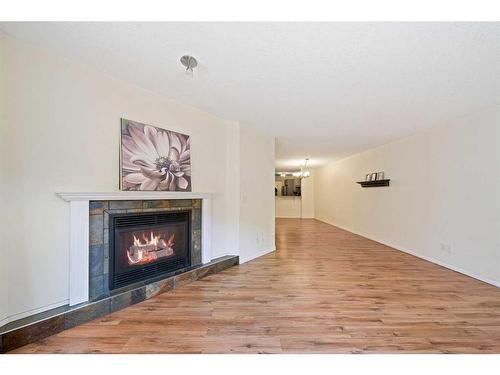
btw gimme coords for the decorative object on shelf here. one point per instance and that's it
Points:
(153, 158)
(374, 179)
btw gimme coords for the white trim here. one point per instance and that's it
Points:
(206, 230)
(25, 314)
(415, 254)
(131, 195)
(79, 252)
(295, 217)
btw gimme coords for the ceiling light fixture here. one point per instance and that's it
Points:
(304, 172)
(189, 62)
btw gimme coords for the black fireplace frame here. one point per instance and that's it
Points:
(151, 271)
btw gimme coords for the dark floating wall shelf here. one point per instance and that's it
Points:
(375, 183)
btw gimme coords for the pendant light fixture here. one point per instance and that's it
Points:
(190, 63)
(304, 172)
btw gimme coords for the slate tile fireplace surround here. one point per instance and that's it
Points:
(90, 214)
(104, 215)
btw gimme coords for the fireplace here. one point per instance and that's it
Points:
(147, 245)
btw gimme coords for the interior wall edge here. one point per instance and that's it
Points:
(261, 253)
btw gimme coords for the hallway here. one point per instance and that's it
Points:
(324, 290)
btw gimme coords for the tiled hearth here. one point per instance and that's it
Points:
(99, 234)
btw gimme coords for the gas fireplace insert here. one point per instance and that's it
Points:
(147, 245)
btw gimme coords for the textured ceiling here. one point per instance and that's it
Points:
(325, 90)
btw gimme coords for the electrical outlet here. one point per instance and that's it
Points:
(446, 247)
(259, 239)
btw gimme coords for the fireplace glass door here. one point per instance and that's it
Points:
(144, 246)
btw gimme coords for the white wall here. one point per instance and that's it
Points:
(443, 203)
(62, 124)
(232, 161)
(288, 206)
(3, 196)
(256, 224)
(297, 207)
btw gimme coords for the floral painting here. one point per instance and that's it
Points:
(153, 158)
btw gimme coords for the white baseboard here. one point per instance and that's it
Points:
(294, 217)
(24, 314)
(414, 253)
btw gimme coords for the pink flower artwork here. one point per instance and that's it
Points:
(154, 159)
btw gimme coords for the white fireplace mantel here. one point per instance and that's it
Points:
(131, 195)
(79, 230)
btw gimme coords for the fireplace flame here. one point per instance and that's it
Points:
(152, 241)
(147, 250)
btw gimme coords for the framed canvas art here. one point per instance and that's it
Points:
(153, 158)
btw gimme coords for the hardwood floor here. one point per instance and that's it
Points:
(324, 291)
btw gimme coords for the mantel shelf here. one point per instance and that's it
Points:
(131, 195)
(375, 183)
